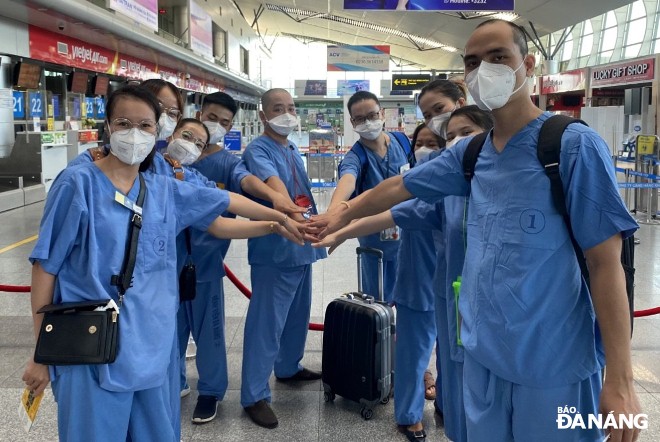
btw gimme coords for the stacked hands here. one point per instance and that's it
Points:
(319, 230)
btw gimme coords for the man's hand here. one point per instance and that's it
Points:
(620, 398)
(36, 377)
(327, 223)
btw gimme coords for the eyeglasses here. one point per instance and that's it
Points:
(119, 124)
(172, 112)
(372, 116)
(189, 136)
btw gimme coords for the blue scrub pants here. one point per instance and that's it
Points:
(86, 412)
(498, 410)
(415, 337)
(370, 277)
(204, 316)
(275, 327)
(449, 397)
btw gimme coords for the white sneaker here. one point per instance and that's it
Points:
(186, 391)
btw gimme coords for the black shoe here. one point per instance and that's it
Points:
(439, 415)
(262, 415)
(205, 410)
(303, 375)
(413, 436)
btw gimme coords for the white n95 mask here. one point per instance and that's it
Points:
(131, 146)
(283, 124)
(492, 85)
(436, 124)
(166, 126)
(423, 152)
(185, 152)
(453, 142)
(216, 131)
(370, 129)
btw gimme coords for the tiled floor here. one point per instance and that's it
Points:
(302, 412)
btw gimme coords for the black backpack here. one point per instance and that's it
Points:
(548, 152)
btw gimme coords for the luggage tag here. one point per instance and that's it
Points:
(128, 203)
(457, 294)
(391, 234)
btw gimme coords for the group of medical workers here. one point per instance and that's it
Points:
(524, 336)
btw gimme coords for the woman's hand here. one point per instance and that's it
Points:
(36, 377)
(333, 241)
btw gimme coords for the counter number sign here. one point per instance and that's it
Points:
(19, 105)
(35, 104)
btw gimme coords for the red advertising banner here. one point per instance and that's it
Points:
(635, 71)
(135, 68)
(60, 49)
(563, 82)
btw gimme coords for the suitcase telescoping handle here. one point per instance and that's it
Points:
(379, 255)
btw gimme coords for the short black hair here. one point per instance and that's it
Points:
(482, 118)
(519, 33)
(182, 122)
(266, 97)
(221, 99)
(135, 92)
(360, 96)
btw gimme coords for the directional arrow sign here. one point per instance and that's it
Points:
(409, 82)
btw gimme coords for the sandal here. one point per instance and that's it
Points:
(429, 386)
(413, 436)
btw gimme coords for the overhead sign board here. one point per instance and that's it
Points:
(563, 82)
(143, 12)
(349, 87)
(359, 58)
(409, 82)
(201, 31)
(431, 5)
(630, 72)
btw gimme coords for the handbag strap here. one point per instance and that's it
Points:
(123, 281)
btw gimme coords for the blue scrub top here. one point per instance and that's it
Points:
(527, 313)
(227, 171)
(378, 169)
(417, 254)
(82, 240)
(265, 158)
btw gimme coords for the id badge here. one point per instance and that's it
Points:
(404, 168)
(391, 234)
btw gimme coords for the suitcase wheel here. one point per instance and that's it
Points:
(367, 413)
(386, 400)
(328, 396)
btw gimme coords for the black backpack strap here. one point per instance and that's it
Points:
(472, 153)
(548, 151)
(124, 280)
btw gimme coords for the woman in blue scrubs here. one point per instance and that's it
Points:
(171, 108)
(82, 243)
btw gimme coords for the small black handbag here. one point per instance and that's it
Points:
(75, 333)
(188, 275)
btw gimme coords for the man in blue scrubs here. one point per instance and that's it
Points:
(385, 157)
(205, 315)
(531, 341)
(278, 314)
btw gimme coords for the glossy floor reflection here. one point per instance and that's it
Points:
(302, 412)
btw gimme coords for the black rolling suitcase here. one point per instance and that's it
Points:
(358, 345)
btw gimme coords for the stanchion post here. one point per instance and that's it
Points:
(649, 192)
(626, 192)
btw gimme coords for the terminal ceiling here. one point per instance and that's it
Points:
(417, 45)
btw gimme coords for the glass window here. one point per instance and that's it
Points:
(637, 10)
(587, 41)
(632, 51)
(610, 20)
(609, 39)
(636, 31)
(567, 50)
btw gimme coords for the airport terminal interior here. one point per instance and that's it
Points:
(60, 60)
